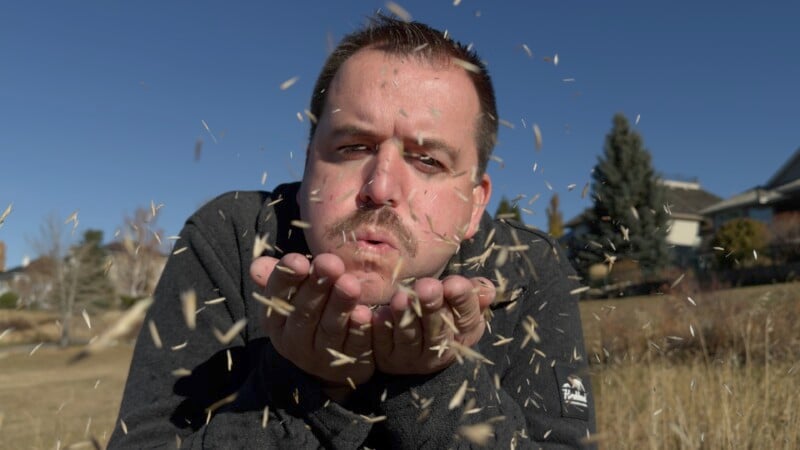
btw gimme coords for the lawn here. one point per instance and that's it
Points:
(46, 403)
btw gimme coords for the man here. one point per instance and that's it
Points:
(375, 304)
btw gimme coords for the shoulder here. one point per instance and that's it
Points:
(244, 209)
(520, 253)
(518, 238)
(511, 232)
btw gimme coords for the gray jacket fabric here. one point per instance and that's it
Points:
(197, 392)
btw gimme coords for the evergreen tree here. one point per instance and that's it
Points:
(555, 221)
(628, 219)
(506, 211)
(93, 289)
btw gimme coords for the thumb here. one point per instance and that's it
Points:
(261, 268)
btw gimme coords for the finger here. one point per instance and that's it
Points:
(311, 297)
(434, 326)
(407, 329)
(462, 298)
(335, 320)
(284, 278)
(261, 268)
(358, 342)
(287, 275)
(382, 335)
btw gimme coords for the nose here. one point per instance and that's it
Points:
(382, 184)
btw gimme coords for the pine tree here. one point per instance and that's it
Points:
(507, 211)
(94, 289)
(555, 221)
(628, 219)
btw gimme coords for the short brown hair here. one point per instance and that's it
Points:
(398, 37)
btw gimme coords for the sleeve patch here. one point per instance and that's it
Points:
(572, 392)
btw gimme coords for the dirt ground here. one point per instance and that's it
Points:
(47, 403)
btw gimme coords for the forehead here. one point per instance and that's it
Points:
(378, 66)
(404, 94)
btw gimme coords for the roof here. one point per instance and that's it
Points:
(10, 274)
(686, 200)
(577, 220)
(753, 197)
(784, 183)
(787, 173)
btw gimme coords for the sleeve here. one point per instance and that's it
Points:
(518, 399)
(194, 391)
(549, 376)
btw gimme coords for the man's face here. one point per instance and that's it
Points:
(390, 184)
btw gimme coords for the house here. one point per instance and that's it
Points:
(779, 196)
(685, 201)
(9, 278)
(687, 226)
(132, 270)
(32, 281)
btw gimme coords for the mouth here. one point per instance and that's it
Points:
(375, 241)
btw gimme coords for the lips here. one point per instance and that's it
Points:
(376, 240)
(374, 229)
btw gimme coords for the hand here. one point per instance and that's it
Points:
(451, 310)
(326, 322)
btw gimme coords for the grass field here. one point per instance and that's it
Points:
(46, 403)
(702, 371)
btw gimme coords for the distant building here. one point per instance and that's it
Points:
(32, 282)
(7, 280)
(684, 200)
(779, 195)
(133, 272)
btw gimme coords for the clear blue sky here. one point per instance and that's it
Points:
(101, 102)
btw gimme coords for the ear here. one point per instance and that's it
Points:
(481, 194)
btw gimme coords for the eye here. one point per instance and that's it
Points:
(354, 151)
(426, 163)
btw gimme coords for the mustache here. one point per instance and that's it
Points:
(383, 218)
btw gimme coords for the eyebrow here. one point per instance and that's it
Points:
(427, 143)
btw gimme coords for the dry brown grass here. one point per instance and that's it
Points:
(732, 385)
(729, 323)
(46, 403)
(33, 327)
(663, 405)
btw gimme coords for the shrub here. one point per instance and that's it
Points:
(738, 242)
(8, 300)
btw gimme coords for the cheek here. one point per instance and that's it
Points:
(315, 213)
(447, 212)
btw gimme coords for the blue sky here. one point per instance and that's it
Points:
(102, 102)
